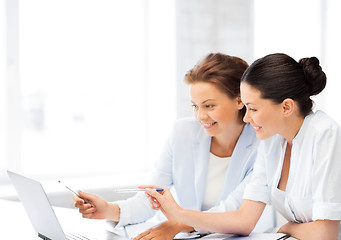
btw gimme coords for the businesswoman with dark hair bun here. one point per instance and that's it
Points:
(207, 161)
(298, 165)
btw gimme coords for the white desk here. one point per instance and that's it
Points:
(15, 224)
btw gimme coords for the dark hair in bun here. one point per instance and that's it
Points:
(278, 76)
(316, 78)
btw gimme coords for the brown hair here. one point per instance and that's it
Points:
(222, 70)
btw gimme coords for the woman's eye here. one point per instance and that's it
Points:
(194, 106)
(252, 109)
(209, 106)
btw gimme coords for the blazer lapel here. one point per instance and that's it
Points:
(201, 151)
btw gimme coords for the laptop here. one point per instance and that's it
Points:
(41, 214)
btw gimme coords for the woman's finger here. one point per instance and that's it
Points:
(150, 186)
(154, 205)
(154, 194)
(78, 201)
(87, 210)
(86, 215)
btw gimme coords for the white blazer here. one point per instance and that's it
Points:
(183, 167)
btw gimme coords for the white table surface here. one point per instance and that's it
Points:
(15, 224)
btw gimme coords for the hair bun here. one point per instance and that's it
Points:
(315, 77)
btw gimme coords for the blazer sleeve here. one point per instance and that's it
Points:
(257, 189)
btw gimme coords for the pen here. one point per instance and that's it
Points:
(284, 237)
(127, 190)
(74, 192)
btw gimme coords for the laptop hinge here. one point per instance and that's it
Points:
(43, 237)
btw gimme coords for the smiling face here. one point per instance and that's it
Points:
(264, 115)
(216, 111)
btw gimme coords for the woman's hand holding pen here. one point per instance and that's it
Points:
(100, 209)
(163, 201)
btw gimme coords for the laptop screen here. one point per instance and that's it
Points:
(37, 206)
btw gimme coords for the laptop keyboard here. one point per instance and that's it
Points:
(75, 236)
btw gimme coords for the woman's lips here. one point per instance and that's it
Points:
(208, 125)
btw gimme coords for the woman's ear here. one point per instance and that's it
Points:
(288, 107)
(240, 104)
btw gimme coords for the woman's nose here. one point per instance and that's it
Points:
(201, 115)
(246, 117)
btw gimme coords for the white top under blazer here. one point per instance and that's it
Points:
(313, 188)
(183, 167)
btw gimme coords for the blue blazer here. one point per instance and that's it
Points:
(184, 161)
(182, 167)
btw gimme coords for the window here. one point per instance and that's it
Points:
(96, 86)
(332, 48)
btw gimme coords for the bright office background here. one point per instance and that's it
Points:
(92, 87)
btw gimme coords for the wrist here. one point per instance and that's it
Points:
(113, 212)
(172, 228)
(181, 214)
(287, 228)
(180, 227)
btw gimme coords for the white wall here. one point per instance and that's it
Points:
(204, 26)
